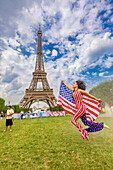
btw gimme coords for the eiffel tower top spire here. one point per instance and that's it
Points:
(39, 66)
(39, 27)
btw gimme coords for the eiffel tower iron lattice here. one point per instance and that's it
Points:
(39, 89)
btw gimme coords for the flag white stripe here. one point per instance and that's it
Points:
(68, 109)
(88, 102)
(69, 103)
(64, 107)
(91, 115)
(88, 98)
(93, 110)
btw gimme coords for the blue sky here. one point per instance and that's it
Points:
(77, 39)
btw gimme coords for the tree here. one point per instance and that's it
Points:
(5, 109)
(56, 108)
(2, 104)
(17, 109)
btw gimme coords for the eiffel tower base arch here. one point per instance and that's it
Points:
(44, 96)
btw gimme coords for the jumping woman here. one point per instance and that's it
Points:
(78, 92)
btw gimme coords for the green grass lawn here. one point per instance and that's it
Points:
(54, 143)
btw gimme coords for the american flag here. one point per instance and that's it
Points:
(66, 101)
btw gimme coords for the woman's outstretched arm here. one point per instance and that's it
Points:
(71, 88)
(87, 94)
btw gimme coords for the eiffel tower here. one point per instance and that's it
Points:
(39, 89)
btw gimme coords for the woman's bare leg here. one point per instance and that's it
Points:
(105, 126)
(87, 138)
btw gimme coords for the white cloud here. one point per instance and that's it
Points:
(103, 74)
(93, 53)
(48, 52)
(87, 72)
(109, 62)
(106, 36)
(79, 21)
(13, 43)
(94, 74)
(54, 52)
(18, 49)
(112, 19)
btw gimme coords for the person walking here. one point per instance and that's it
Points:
(22, 113)
(2, 113)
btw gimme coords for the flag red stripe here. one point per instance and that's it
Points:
(89, 114)
(93, 113)
(62, 104)
(65, 109)
(91, 106)
(66, 106)
(69, 105)
(91, 103)
(66, 101)
(90, 99)
(90, 118)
